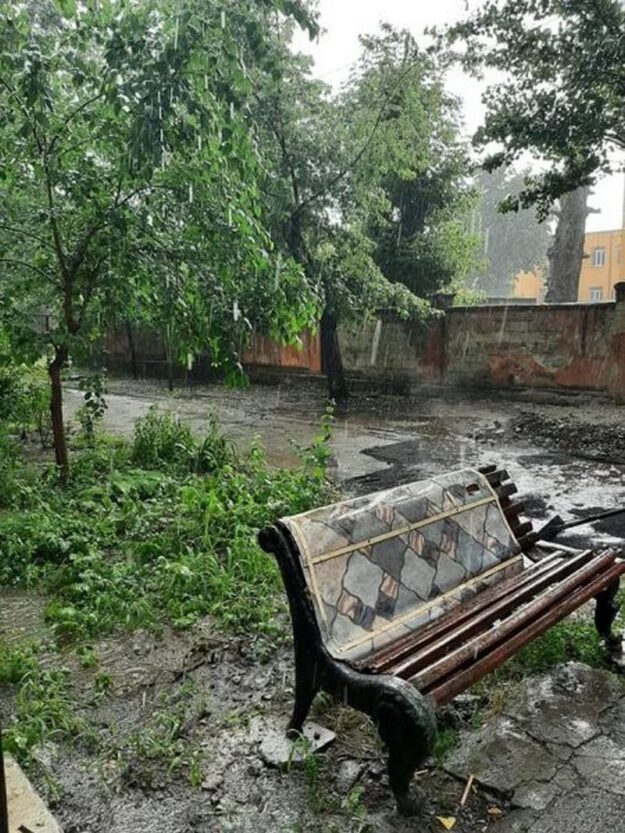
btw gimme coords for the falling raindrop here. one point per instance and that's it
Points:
(223, 18)
(199, 141)
(504, 321)
(191, 192)
(176, 33)
(236, 312)
(232, 110)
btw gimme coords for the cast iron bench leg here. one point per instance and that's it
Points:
(405, 720)
(605, 613)
(306, 688)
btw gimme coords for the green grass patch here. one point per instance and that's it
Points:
(162, 529)
(44, 708)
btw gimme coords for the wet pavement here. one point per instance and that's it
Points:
(557, 750)
(384, 441)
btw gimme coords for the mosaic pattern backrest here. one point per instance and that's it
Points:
(383, 565)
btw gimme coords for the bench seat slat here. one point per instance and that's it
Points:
(595, 570)
(381, 661)
(445, 690)
(561, 574)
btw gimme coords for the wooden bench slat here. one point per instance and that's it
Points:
(470, 651)
(494, 612)
(497, 477)
(446, 690)
(383, 659)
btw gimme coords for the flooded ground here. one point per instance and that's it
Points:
(231, 689)
(382, 441)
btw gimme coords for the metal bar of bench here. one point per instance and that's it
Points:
(497, 611)
(385, 657)
(470, 650)
(447, 689)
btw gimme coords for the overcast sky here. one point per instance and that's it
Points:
(338, 48)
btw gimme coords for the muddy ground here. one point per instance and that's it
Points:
(230, 690)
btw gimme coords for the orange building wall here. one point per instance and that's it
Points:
(531, 285)
(602, 277)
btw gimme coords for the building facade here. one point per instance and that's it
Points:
(603, 267)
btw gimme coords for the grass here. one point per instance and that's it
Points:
(160, 530)
(44, 708)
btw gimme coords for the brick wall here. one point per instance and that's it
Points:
(566, 347)
(569, 346)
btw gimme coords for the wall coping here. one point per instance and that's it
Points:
(533, 307)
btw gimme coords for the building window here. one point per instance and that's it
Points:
(598, 256)
(596, 293)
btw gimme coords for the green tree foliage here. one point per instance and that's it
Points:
(562, 92)
(415, 162)
(337, 166)
(511, 243)
(129, 182)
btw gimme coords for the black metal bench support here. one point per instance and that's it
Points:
(405, 719)
(606, 612)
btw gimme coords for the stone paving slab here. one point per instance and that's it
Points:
(26, 809)
(557, 751)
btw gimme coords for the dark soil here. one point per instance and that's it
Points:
(604, 443)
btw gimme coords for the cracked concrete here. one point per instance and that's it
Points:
(557, 751)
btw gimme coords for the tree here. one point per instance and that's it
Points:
(416, 162)
(563, 99)
(562, 96)
(129, 184)
(511, 242)
(567, 250)
(328, 160)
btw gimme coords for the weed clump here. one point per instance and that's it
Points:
(162, 529)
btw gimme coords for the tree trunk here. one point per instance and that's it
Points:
(170, 366)
(133, 352)
(56, 411)
(331, 360)
(567, 252)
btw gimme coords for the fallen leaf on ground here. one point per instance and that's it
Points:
(448, 822)
(494, 811)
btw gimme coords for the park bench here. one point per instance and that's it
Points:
(402, 599)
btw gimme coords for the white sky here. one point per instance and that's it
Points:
(338, 48)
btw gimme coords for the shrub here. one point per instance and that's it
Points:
(160, 441)
(160, 529)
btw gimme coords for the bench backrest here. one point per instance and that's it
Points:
(383, 565)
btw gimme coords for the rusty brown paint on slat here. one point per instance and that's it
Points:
(447, 690)
(484, 620)
(506, 490)
(386, 656)
(522, 529)
(471, 650)
(512, 510)
(498, 477)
